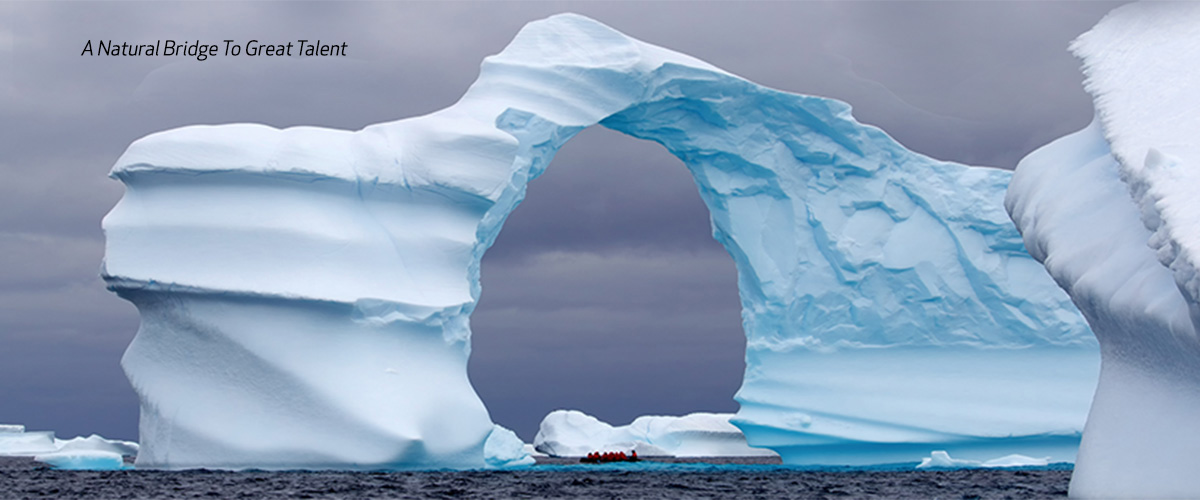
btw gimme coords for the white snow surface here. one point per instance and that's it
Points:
(305, 293)
(1141, 66)
(572, 433)
(1112, 213)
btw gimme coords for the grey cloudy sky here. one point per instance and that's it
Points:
(607, 265)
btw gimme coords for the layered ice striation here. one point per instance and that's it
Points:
(305, 293)
(1112, 212)
(572, 433)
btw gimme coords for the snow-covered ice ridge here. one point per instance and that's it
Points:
(305, 293)
(572, 433)
(1112, 212)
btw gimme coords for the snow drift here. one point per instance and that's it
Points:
(305, 293)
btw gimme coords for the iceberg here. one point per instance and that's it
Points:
(15, 441)
(83, 460)
(80, 453)
(1111, 212)
(572, 433)
(504, 449)
(941, 460)
(97, 443)
(305, 293)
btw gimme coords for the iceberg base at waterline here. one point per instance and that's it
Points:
(897, 405)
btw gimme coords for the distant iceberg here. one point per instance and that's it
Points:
(305, 293)
(572, 433)
(16, 441)
(941, 460)
(84, 460)
(79, 453)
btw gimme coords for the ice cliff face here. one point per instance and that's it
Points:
(1112, 213)
(305, 293)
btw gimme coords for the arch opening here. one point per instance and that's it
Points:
(612, 299)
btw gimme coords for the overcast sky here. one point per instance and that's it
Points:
(609, 263)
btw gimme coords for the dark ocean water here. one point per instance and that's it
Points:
(23, 478)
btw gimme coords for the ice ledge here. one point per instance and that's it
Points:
(369, 311)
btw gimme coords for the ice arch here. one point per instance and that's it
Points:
(305, 293)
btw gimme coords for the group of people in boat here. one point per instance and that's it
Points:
(597, 457)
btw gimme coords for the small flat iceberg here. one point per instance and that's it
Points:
(80, 453)
(942, 460)
(571, 433)
(84, 460)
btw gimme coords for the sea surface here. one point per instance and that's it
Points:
(551, 478)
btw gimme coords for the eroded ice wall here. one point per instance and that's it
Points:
(889, 306)
(305, 293)
(1112, 213)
